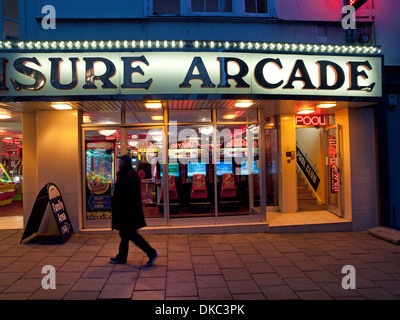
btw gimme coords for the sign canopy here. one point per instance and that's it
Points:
(82, 74)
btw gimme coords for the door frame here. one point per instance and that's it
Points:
(337, 210)
(123, 148)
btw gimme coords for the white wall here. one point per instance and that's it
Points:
(311, 142)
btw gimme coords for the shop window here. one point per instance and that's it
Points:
(110, 117)
(10, 19)
(236, 115)
(154, 116)
(190, 171)
(189, 115)
(145, 148)
(237, 169)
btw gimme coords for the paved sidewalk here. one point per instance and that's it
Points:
(203, 267)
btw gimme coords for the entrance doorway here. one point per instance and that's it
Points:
(310, 169)
(319, 169)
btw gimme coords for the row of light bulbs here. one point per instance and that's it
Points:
(180, 44)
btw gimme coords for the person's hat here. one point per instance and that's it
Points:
(126, 158)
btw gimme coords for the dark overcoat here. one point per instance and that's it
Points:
(127, 210)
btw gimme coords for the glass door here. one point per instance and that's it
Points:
(333, 163)
(101, 147)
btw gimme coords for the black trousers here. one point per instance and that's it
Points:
(137, 239)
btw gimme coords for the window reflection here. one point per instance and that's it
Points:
(237, 115)
(145, 148)
(190, 115)
(190, 173)
(237, 169)
(152, 116)
(101, 149)
(110, 117)
(205, 179)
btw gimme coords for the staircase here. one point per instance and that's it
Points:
(305, 197)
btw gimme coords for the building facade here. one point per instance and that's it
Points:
(231, 104)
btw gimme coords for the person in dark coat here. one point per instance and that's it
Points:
(127, 212)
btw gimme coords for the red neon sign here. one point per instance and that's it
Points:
(356, 3)
(314, 120)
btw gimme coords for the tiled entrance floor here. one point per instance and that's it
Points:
(306, 221)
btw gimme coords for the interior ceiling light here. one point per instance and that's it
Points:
(157, 118)
(206, 130)
(153, 104)
(326, 105)
(5, 114)
(107, 132)
(229, 116)
(244, 104)
(306, 111)
(61, 106)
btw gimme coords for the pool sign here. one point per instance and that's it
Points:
(312, 120)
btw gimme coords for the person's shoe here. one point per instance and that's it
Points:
(152, 259)
(116, 261)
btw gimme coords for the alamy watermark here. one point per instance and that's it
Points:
(349, 280)
(349, 17)
(49, 280)
(184, 144)
(49, 20)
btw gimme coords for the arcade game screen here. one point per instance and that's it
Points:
(244, 168)
(195, 168)
(224, 168)
(173, 169)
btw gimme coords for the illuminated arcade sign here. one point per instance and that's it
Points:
(313, 120)
(47, 75)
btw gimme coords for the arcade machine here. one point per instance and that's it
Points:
(16, 176)
(227, 197)
(100, 173)
(173, 173)
(7, 187)
(199, 202)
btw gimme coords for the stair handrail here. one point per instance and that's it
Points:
(308, 159)
(312, 175)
